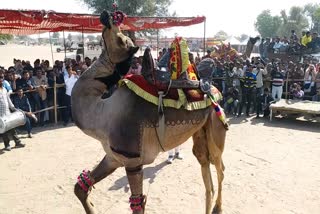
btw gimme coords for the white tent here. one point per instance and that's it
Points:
(233, 41)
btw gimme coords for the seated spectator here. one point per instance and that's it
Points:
(294, 37)
(232, 100)
(316, 97)
(306, 39)
(315, 43)
(135, 67)
(309, 78)
(22, 102)
(296, 92)
(264, 103)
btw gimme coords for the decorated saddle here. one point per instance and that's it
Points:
(175, 82)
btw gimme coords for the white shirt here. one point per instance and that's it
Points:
(69, 81)
(259, 72)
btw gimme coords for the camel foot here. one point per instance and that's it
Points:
(217, 210)
(83, 197)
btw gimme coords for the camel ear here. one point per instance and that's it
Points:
(105, 19)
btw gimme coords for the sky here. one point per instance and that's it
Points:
(235, 17)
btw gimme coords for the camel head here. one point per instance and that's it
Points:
(118, 47)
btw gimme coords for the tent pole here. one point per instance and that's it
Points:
(51, 49)
(64, 45)
(204, 37)
(157, 43)
(83, 45)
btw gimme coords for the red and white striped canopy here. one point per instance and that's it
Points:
(26, 22)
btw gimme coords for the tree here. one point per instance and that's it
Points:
(312, 11)
(267, 25)
(133, 8)
(242, 37)
(69, 37)
(296, 20)
(221, 35)
(56, 35)
(6, 37)
(90, 37)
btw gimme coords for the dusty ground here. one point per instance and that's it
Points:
(270, 168)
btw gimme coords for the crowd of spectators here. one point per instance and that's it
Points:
(31, 88)
(256, 83)
(308, 42)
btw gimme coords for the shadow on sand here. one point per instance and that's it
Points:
(149, 173)
(311, 124)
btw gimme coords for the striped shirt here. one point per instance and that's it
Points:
(277, 78)
(249, 80)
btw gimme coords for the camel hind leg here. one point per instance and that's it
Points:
(216, 134)
(106, 167)
(200, 150)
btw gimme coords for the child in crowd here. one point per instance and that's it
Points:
(296, 92)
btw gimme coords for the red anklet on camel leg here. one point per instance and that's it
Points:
(85, 181)
(137, 203)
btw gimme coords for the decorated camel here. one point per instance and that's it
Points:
(126, 126)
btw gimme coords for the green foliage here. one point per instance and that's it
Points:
(221, 35)
(56, 35)
(296, 19)
(133, 7)
(312, 11)
(267, 25)
(69, 37)
(6, 37)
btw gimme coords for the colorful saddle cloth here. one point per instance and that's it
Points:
(189, 99)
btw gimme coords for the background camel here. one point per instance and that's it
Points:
(125, 124)
(250, 44)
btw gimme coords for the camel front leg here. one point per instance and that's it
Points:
(200, 150)
(137, 199)
(87, 179)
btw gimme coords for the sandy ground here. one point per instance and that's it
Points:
(270, 168)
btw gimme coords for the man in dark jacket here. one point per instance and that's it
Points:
(264, 103)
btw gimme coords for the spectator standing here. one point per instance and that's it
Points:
(70, 78)
(249, 84)
(277, 82)
(306, 39)
(174, 154)
(40, 82)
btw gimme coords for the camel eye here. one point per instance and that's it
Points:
(121, 42)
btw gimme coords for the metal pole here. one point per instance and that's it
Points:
(51, 49)
(83, 45)
(157, 43)
(64, 45)
(204, 37)
(55, 100)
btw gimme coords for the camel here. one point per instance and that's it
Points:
(125, 124)
(250, 45)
